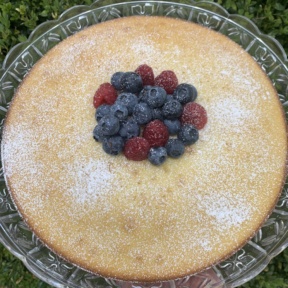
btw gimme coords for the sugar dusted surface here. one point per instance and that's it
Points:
(131, 220)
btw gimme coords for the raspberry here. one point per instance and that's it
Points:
(136, 149)
(98, 99)
(194, 114)
(167, 80)
(156, 133)
(147, 74)
(105, 94)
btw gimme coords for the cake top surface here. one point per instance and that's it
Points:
(131, 220)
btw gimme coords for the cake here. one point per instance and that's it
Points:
(131, 220)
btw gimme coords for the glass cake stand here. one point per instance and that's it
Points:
(248, 262)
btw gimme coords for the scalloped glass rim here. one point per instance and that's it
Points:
(250, 32)
(210, 6)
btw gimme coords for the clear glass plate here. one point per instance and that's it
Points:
(248, 262)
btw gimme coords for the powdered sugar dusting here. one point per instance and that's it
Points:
(225, 210)
(233, 111)
(144, 46)
(130, 219)
(91, 180)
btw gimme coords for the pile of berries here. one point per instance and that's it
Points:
(147, 117)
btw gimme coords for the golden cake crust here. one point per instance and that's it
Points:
(130, 220)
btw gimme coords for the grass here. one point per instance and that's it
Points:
(19, 17)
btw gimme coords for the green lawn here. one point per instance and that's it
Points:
(19, 17)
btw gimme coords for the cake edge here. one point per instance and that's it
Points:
(145, 279)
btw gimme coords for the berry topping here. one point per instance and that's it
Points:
(157, 114)
(143, 95)
(157, 155)
(98, 100)
(129, 100)
(175, 148)
(167, 80)
(146, 73)
(172, 109)
(169, 97)
(131, 82)
(156, 96)
(119, 110)
(188, 134)
(142, 113)
(113, 145)
(105, 94)
(136, 149)
(129, 129)
(116, 80)
(173, 126)
(98, 134)
(109, 125)
(101, 111)
(136, 115)
(194, 114)
(156, 133)
(185, 93)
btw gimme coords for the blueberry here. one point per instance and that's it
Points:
(131, 82)
(188, 134)
(127, 99)
(169, 97)
(116, 80)
(157, 155)
(142, 113)
(175, 148)
(143, 95)
(156, 96)
(101, 111)
(97, 134)
(113, 145)
(119, 110)
(129, 129)
(109, 125)
(157, 114)
(185, 93)
(172, 109)
(173, 126)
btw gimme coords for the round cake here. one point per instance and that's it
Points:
(131, 220)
